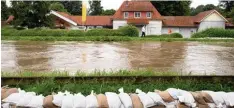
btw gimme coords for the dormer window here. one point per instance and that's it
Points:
(137, 14)
(125, 14)
(148, 14)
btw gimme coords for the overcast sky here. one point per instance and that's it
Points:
(115, 4)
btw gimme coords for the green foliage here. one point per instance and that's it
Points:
(172, 8)
(202, 8)
(214, 32)
(4, 11)
(31, 14)
(57, 6)
(103, 32)
(108, 12)
(73, 7)
(129, 30)
(173, 35)
(95, 7)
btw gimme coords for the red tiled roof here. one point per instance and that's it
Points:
(185, 21)
(136, 6)
(138, 21)
(202, 15)
(230, 22)
(90, 20)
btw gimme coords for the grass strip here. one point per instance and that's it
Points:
(109, 38)
(48, 86)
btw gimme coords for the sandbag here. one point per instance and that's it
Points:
(202, 105)
(136, 102)
(58, 98)
(36, 102)
(79, 101)
(180, 105)
(165, 96)
(47, 102)
(25, 99)
(113, 100)
(14, 97)
(158, 106)
(67, 101)
(7, 92)
(217, 98)
(102, 101)
(231, 99)
(145, 99)
(198, 98)
(186, 98)
(156, 98)
(91, 101)
(207, 97)
(125, 99)
(173, 92)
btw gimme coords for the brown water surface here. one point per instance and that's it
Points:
(183, 57)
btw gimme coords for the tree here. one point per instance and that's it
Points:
(31, 14)
(172, 8)
(232, 14)
(73, 7)
(4, 11)
(108, 12)
(202, 8)
(227, 7)
(57, 6)
(95, 7)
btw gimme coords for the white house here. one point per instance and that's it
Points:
(141, 13)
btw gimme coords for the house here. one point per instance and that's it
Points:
(141, 13)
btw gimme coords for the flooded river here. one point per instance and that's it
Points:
(184, 57)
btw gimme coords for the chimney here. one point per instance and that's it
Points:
(127, 3)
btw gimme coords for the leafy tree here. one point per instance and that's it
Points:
(108, 12)
(172, 8)
(227, 7)
(232, 14)
(31, 14)
(57, 6)
(73, 7)
(202, 8)
(95, 7)
(4, 11)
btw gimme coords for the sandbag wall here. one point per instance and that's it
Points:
(170, 98)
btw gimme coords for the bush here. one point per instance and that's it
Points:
(173, 35)
(214, 32)
(103, 32)
(129, 30)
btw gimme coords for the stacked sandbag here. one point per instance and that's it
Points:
(170, 98)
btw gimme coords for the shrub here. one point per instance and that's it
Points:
(173, 35)
(214, 32)
(103, 32)
(129, 30)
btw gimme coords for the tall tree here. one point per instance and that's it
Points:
(227, 7)
(202, 8)
(95, 7)
(172, 8)
(73, 7)
(4, 11)
(31, 14)
(57, 6)
(108, 12)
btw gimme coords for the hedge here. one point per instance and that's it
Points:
(173, 35)
(214, 32)
(123, 31)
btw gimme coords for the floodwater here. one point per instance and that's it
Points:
(184, 57)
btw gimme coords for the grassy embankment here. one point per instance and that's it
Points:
(48, 84)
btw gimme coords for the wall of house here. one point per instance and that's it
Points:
(212, 21)
(186, 32)
(119, 23)
(154, 27)
(131, 14)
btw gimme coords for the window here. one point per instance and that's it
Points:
(148, 14)
(137, 14)
(125, 14)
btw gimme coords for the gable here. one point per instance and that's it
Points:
(214, 17)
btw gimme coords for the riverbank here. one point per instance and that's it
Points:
(48, 86)
(111, 38)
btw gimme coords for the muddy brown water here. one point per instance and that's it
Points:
(183, 57)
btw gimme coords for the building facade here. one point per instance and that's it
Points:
(143, 13)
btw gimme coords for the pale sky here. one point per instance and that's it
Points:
(115, 4)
